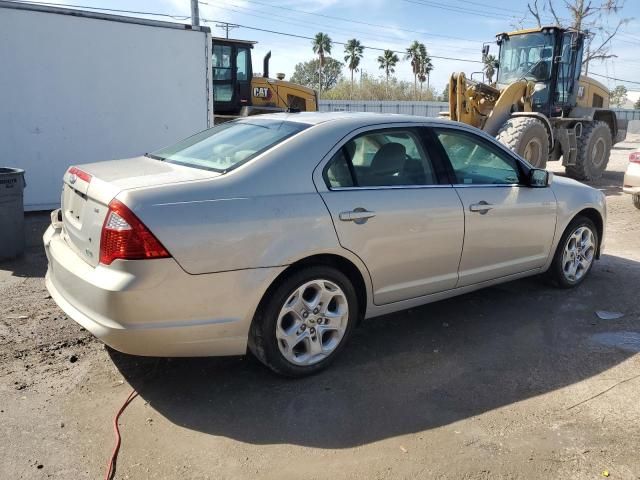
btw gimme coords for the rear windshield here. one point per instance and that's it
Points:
(228, 145)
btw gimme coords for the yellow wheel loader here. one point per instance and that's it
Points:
(236, 92)
(540, 106)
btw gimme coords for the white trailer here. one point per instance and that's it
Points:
(78, 87)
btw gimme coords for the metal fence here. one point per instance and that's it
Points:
(627, 114)
(426, 109)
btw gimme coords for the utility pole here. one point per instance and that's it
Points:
(227, 27)
(195, 13)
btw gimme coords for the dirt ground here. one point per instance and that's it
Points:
(517, 381)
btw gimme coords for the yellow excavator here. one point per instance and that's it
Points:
(236, 92)
(540, 106)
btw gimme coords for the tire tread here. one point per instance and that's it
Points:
(581, 170)
(511, 133)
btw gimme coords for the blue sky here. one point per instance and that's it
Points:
(449, 28)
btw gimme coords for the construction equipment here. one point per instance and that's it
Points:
(541, 106)
(236, 92)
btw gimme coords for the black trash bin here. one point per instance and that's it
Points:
(12, 185)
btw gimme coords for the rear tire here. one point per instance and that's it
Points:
(594, 149)
(305, 322)
(575, 253)
(526, 136)
(636, 200)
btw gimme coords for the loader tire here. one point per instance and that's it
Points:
(594, 148)
(527, 137)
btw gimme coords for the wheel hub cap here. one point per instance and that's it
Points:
(598, 152)
(312, 322)
(533, 152)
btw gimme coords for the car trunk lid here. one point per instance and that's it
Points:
(88, 189)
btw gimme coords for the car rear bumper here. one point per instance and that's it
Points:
(631, 182)
(153, 307)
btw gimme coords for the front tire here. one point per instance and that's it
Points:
(526, 136)
(575, 253)
(305, 322)
(594, 149)
(636, 200)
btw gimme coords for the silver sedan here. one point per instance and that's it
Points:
(279, 233)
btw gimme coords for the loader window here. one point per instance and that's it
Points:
(222, 78)
(242, 64)
(221, 62)
(527, 56)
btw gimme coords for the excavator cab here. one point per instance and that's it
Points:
(550, 58)
(231, 75)
(237, 92)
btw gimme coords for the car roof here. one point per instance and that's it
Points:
(354, 118)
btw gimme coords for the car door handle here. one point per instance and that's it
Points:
(358, 215)
(480, 207)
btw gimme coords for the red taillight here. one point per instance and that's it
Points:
(634, 157)
(80, 174)
(125, 236)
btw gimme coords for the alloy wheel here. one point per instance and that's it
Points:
(578, 255)
(312, 322)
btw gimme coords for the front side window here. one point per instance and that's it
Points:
(382, 158)
(229, 145)
(475, 162)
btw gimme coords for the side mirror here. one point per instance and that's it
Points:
(539, 178)
(485, 51)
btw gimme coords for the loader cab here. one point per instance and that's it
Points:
(551, 58)
(231, 74)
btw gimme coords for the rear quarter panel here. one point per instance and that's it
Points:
(262, 214)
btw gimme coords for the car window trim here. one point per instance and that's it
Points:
(434, 149)
(522, 169)
(420, 131)
(391, 187)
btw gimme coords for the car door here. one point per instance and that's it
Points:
(509, 226)
(389, 208)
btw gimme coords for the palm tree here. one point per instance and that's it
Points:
(321, 45)
(414, 55)
(425, 68)
(353, 53)
(489, 67)
(388, 60)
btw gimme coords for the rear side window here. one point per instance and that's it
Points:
(229, 145)
(381, 158)
(475, 162)
(338, 174)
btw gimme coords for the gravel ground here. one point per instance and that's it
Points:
(515, 381)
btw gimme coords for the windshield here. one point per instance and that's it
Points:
(526, 56)
(228, 145)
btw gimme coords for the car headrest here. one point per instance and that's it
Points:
(390, 156)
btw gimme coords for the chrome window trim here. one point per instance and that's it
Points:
(487, 185)
(389, 187)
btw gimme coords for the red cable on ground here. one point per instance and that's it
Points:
(111, 470)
